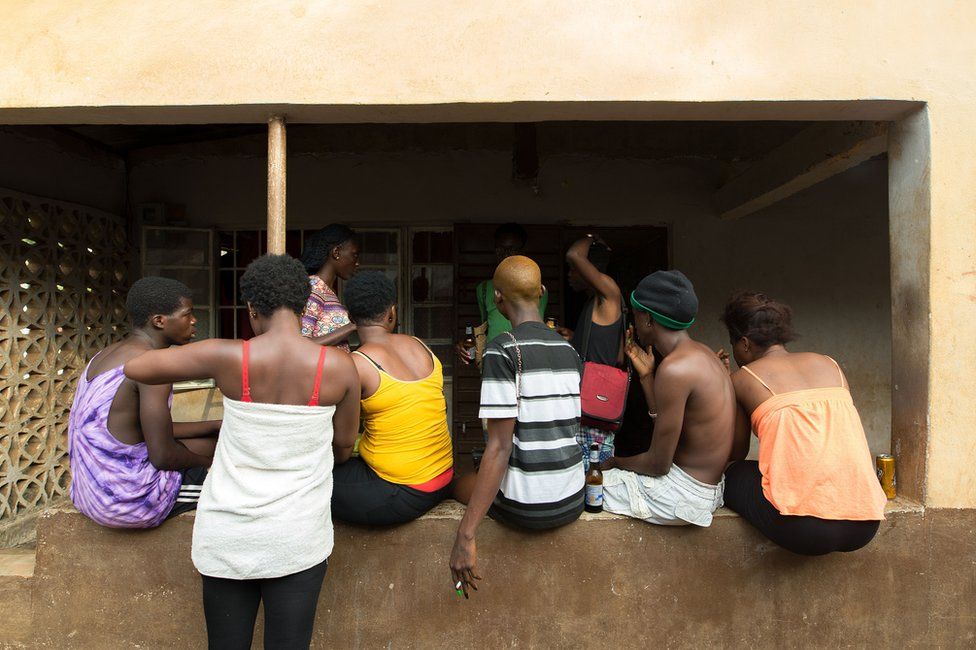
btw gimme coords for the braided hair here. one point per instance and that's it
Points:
(319, 246)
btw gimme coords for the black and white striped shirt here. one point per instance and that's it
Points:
(543, 486)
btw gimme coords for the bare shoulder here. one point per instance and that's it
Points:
(338, 359)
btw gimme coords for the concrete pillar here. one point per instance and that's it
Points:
(909, 210)
(277, 173)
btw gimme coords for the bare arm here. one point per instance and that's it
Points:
(494, 464)
(671, 389)
(743, 426)
(193, 361)
(741, 438)
(345, 422)
(605, 287)
(202, 429)
(335, 337)
(165, 453)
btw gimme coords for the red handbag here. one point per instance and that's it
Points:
(603, 391)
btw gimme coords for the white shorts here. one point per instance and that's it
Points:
(675, 499)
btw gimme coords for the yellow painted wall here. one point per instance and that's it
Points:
(110, 53)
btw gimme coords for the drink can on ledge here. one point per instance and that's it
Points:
(886, 474)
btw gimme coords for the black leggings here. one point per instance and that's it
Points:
(360, 496)
(230, 607)
(803, 535)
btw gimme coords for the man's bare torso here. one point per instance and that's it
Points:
(709, 421)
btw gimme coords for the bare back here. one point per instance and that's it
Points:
(402, 357)
(282, 370)
(123, 416)
(784, 373)
(709, 419)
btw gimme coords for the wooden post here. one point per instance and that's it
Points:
(277, 154)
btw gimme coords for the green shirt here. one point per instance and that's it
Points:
(497, 323)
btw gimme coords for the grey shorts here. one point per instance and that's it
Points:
(675, 499)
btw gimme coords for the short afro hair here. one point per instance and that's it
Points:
(759, 318)
(274, 281)
(368, 295)
(514, 229)
(319, 245)
(152, 295)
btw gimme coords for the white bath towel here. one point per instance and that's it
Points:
(265, 509)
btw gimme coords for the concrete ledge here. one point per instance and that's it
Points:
(626, 581)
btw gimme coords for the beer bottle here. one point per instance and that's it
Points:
(594, 482)
(468, 344)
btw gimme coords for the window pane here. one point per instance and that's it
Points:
(225, 288)
(433, 323)
(247, 247)
(445, 353)
(226, 249)
(433, 247)
(203, 324)
(442, 247)
(379, 248)
(432, 283)
(225, 323)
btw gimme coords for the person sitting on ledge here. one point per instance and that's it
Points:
(678, 480)
(131, 466)
(405, 464)
(814, 489)
(531, 475)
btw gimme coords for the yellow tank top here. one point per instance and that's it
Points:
(405, 438)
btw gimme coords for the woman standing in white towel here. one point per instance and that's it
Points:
(263, 529)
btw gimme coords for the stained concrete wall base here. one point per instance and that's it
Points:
(601, 581)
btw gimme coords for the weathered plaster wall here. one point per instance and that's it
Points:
(557, 60)
(825, 251)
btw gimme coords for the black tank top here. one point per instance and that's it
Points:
(604, 344)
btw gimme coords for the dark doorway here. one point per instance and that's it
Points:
(636, 251)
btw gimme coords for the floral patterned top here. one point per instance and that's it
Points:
(323, 312)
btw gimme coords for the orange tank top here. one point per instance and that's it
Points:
(814, 456)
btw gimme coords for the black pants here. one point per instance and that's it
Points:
(803, 535)
(230, 607)
(359, 496)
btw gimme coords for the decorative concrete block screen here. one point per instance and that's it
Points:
(64, 271)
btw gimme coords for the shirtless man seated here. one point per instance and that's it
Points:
(131, 465)
(679, 479)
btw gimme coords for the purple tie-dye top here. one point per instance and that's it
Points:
(113, 483)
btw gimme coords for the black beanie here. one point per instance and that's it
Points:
(668, 297)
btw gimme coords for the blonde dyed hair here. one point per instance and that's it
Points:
(518, 278)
